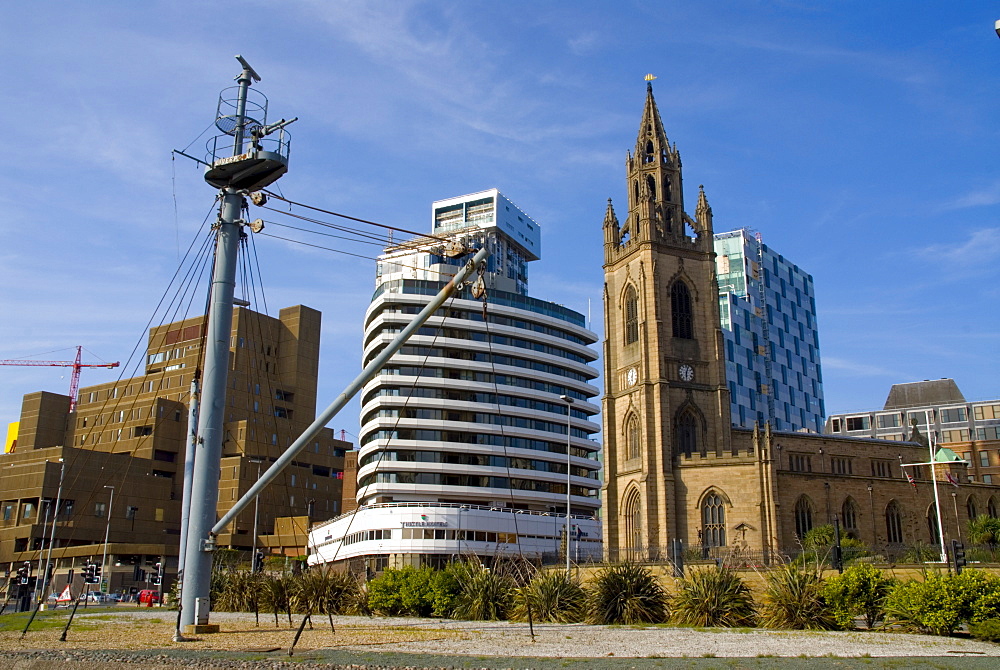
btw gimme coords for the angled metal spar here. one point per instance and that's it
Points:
(352, 389)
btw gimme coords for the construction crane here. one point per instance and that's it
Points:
(74, 380)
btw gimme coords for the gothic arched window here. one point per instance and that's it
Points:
(849, 517)
(991, 507)
(635, 191)
(651, 185)
(803, 517)
(631, 316)
(632, 447)
(893, 524)
(713, 521)
(632, 516)
(650, 152)
(971, 509)
(686, 431)
(681, 313)
(932, 525)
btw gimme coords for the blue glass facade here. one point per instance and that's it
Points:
(768, 315)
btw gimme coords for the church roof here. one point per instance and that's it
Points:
(923, 394)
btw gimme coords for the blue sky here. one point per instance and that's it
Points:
(860, 138)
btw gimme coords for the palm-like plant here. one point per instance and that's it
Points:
(794, 599)
(714, 597)
(241, 592)
(551, 596)
(484, 595)
(276, 596)
(984, 530)
(626, 594)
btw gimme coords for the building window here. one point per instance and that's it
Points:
(631, 316)
(686, 432)
(835, 425)
(803, 517)
(970, 508)
(881, 468)
(632, 437)
(8, 512)
(632, 513)
(130, 512)
(987, 479)
(840, 465)
(849, 516)
(713, 522)
(100, 509)
(888, 420)
(961, 435)
(681, 312)
(984, 459)
(982, 412)
(67, 508)
(932, 526)
(953, 415)
(893, 524)
(800, 462)
(858, 423)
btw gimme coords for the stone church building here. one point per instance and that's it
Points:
(675, 467)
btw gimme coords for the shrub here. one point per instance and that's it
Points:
(445, 588)
(713, 597)
(794, 599)
(402, 591)
(553, 596)
(988, 630)
(626, 594)
(929, 606)
(940, 604)
(276, 596)
(860, 591)
(484, 594)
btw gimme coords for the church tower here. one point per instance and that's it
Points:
(666, 401)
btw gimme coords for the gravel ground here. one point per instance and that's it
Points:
(103, 639)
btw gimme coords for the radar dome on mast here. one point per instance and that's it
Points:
(246, 156)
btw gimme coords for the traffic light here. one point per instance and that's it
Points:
(97, 574)
(92, 573)
(958, 556)
(156, 579)
(24, 572)
(258, 561)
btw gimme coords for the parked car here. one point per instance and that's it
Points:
(94, 596)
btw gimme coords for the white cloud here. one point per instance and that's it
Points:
(983, 196)
(978, 252)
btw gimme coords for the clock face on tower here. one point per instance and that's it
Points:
(632, 376)
(686, 372)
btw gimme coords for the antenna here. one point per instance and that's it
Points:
(247, 69)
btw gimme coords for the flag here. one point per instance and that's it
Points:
(951, 479)
(910, 479)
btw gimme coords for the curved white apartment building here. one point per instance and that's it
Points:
(464, 431)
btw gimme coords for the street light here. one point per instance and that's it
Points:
(256, 505)
(569, 416)
(107, 531)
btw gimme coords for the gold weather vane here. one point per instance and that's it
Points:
(650, 77)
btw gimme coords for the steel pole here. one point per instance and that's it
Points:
(189, 453)
(352, 389)
(52, 528)
(41, 550)
(934, 483)
(107, 532)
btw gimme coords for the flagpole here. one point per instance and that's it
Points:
(934, 482)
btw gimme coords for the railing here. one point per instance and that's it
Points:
(509, 510)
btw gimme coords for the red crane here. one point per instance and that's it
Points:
(74, 380)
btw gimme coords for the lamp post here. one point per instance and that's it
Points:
(52, 528)
(41, 552)
(569, 417)
(256, 506)
(871, 504)
(107, 532)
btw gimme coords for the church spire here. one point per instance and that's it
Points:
(652, 142)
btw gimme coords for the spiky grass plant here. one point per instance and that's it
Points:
(241, 592)
(484, 594)
(277, 596)
(553, 597)
(713, 597)
(626, 594)
(794, 599)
